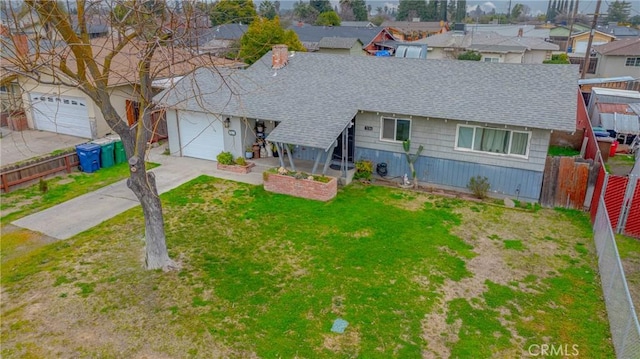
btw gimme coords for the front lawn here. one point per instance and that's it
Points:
(266, 275)
(24, 201)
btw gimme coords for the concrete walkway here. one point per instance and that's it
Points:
(81, 213)
(16, 146)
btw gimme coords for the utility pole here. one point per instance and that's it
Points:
(572, 21)
(587, 55)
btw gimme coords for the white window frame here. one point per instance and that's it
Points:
(473, 138)
(491, 59)
(394, 128)
(635, 61)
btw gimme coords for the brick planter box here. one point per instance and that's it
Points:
(303, 188)
(236, 168)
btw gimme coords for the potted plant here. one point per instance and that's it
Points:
(248, 152)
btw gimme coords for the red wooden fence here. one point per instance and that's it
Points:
(15, 175)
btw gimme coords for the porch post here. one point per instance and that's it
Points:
(327, 160)
(293, 166)
(280, 158)
(315, 164)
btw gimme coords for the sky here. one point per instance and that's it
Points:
(501, 6)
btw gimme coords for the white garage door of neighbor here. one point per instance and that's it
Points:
(201, 135)
(61, 114)
(581, 46)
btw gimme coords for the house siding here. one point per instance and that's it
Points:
(442, 165)
(454, 174)
(614, 66)
(438, 137)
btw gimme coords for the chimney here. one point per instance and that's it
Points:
(279, 56)
(520, 32)
(21, 45)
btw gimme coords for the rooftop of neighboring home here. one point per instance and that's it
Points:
(563, 31)
(165, 63)
(627, 47)
(313, 34)
(488, 41)
(620, 32)
(324, 92)
(510, 30)
(357, 23)
(427, 26)
(338, 42)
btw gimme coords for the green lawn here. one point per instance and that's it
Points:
(265, 275)
(22, 202)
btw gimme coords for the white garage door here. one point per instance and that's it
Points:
(61, 114)
(581, 46)
(201, 135)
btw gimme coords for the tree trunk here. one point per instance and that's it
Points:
(143, 184)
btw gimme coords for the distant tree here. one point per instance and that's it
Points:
(477, 12)
(379, 10)
(635, 20)
(276, 4)
(379, 19)
(233, 11)
(558, 59)
(321, 5)
(261, 35)
(328, 18)
(267, 9)
(409, 9)
(461, 11)
(305, 12)
(619, 11)
(470, 56)
(353, 10)
(360, 10)
(517, 11)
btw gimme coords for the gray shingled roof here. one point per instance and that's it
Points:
(338, 42)
(316, 95)
(309, 33)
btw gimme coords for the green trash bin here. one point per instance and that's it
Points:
(121, 156)
(107, 158)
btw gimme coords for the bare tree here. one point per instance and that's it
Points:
(140, 47)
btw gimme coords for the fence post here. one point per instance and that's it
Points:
(67, 163)
(5, 184)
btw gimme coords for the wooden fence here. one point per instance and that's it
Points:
(565, 182)
(14, 175)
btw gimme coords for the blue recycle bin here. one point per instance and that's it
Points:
(89, 157)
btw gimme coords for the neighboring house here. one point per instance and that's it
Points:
(373, 39)
(220, 39)
(559, 35)
(578, 43)
(341, 46)
(618, 58)
(357, 23)
(472, 118)
(415, 30)
(67, 110)
(492, 47)
(620, 32)
(523, 30)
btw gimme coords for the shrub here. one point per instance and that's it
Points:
(364, 168)
(479, 186)
(470, 56)
(240, 161)
(225, 158)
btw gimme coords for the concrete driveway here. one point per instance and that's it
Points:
(17, 146)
